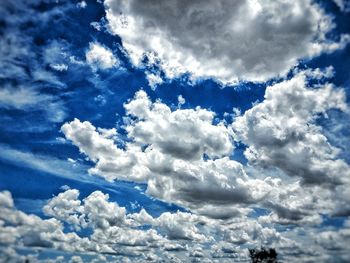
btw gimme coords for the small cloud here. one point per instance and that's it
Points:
(61, 140)
(71, 160)
(343, 5)
(100, 57)
(64, 187)
(181, 100)
(59, 67)
(236, 112)
(74, 60)
(101, 100)
(134, 205)
(153, 80)
(96, 25)
(82, 4)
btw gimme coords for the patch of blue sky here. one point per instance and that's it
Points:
(257, 212)
(333, 221)
(32, 206)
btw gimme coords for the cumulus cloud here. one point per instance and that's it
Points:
(250, 40)
(282, 131)
(65, 207)
(97, 212)
(186, 134)
(292, 169)
(110, 224)
(180, 154)
(111, 161)
(100, 57)
(118, 234)
(82, 4)
(183, 156)
(153, 80)
(30, 230)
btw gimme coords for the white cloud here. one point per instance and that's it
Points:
(66, 207)
(168, 150)
(100, 57)
(180, 226)
(111, 162)
(56, 55)
(29, 230)
(96, 25)
(59, 67)
(76, 259)
(117, 233)
(20, 98)
(153, 80)
(344, 5)
(29, 99)
(181, 100)
(185, 134)
(213, 185)
(102, 213)
(183, 156)
(282, 132)
(168, 132)
(109, 221)
(250, 40)
(6, 199)
(82, 4)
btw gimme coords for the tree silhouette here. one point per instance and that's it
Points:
(263, 255)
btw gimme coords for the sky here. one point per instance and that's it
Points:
(174, 131)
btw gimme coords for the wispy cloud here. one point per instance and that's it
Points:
(20, 98)
(47, 164)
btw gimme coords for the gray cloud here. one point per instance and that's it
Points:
(225, 40)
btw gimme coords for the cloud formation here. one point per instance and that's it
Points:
(229, 41)
(282, 131)
(181, 155)
(275, 175)
(115, 234)
(100, 57)
(185, 158)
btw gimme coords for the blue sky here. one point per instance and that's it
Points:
(135, 131)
